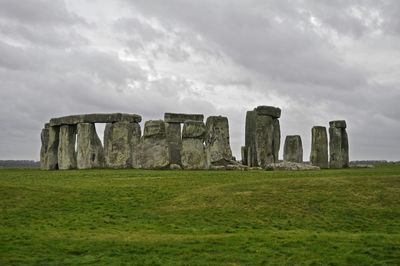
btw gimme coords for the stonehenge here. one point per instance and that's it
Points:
(185, 141)
(319, 147)
(262, 137)
(338, 145)
(293, 149)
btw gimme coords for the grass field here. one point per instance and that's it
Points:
(129, 217)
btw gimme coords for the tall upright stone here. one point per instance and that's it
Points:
(120, 143)
(218, 147)
(193, 154)
(154, 146)
(52, 148)
(90, 152)
(44, 138)
(66, 148)
(264, 140)
(250, 135)
(338, 144)
(262, 136)
(174, 139)
(319, 147)
(277, 139)
(293, 149)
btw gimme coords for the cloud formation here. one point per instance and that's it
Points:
(317, 60)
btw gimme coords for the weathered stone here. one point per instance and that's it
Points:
(235, 167)
(274, 112)
(66, 148)
(339, 147)
(250, 135)
(290, 166)
(319, 147)
(154, 146)
(293, 149)
(255, 168)
(154, 129)
(217, 167)
(277, 139)
(44, 138)
(244, 153)
(338, 124)
(90, 152)
(121, 140)
(193, 154)
(217, 139)
(95, 118)
(264, 140)
(181, 118)
(175, 167)
(52, 148)
(194, 129)
(174, 139)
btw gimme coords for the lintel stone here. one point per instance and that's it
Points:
(274, 112)
(95, 118)
(181, 118)
(338, 124)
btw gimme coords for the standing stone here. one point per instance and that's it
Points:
(277, 139)
(90, 152)
(193, 154)
(217, 140)
(154, 146)
(174, 139)
(119, 139)
(66, 148)
(338, 145)
(319, 147)
(44, 138)
(135, 144)
(244, 153)
(293, 149)
(264, 140)
(250, 136)
(52, 148)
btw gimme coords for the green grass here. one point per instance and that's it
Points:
(128, 217)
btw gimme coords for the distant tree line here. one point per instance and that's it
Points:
(19, 164)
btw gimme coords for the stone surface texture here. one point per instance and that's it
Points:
(44, 138)
(194, 129)
(217, 139)
(154, 148)
(174, 139)
(293, 149)
(291, 166)
(181, 118)
(95, 118)
(274, 112)
(277, 139)
(52, 148)
(193, 153)
(338, 145)
(319, 147)
(66, 148)
(121, 140)
(90, 152)
(264, 140)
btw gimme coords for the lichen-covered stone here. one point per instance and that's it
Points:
(193, 154)
(339, 147)
(291, 166)
(293, 149)
(181, 118)
(250, 135)
(264, 140)
(174, 139)
(277, 139)
(52, 148)
(319, 147)
(194, 129)
(338, 124)
(244, 155)
(44, 138)
(95, 118)
(272, 111)
(121, 141)
(90, 152)
(217, 139)
(66, 148)
(154, 146)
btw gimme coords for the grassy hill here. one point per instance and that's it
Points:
(105, 217)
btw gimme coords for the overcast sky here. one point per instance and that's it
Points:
(317, 60)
